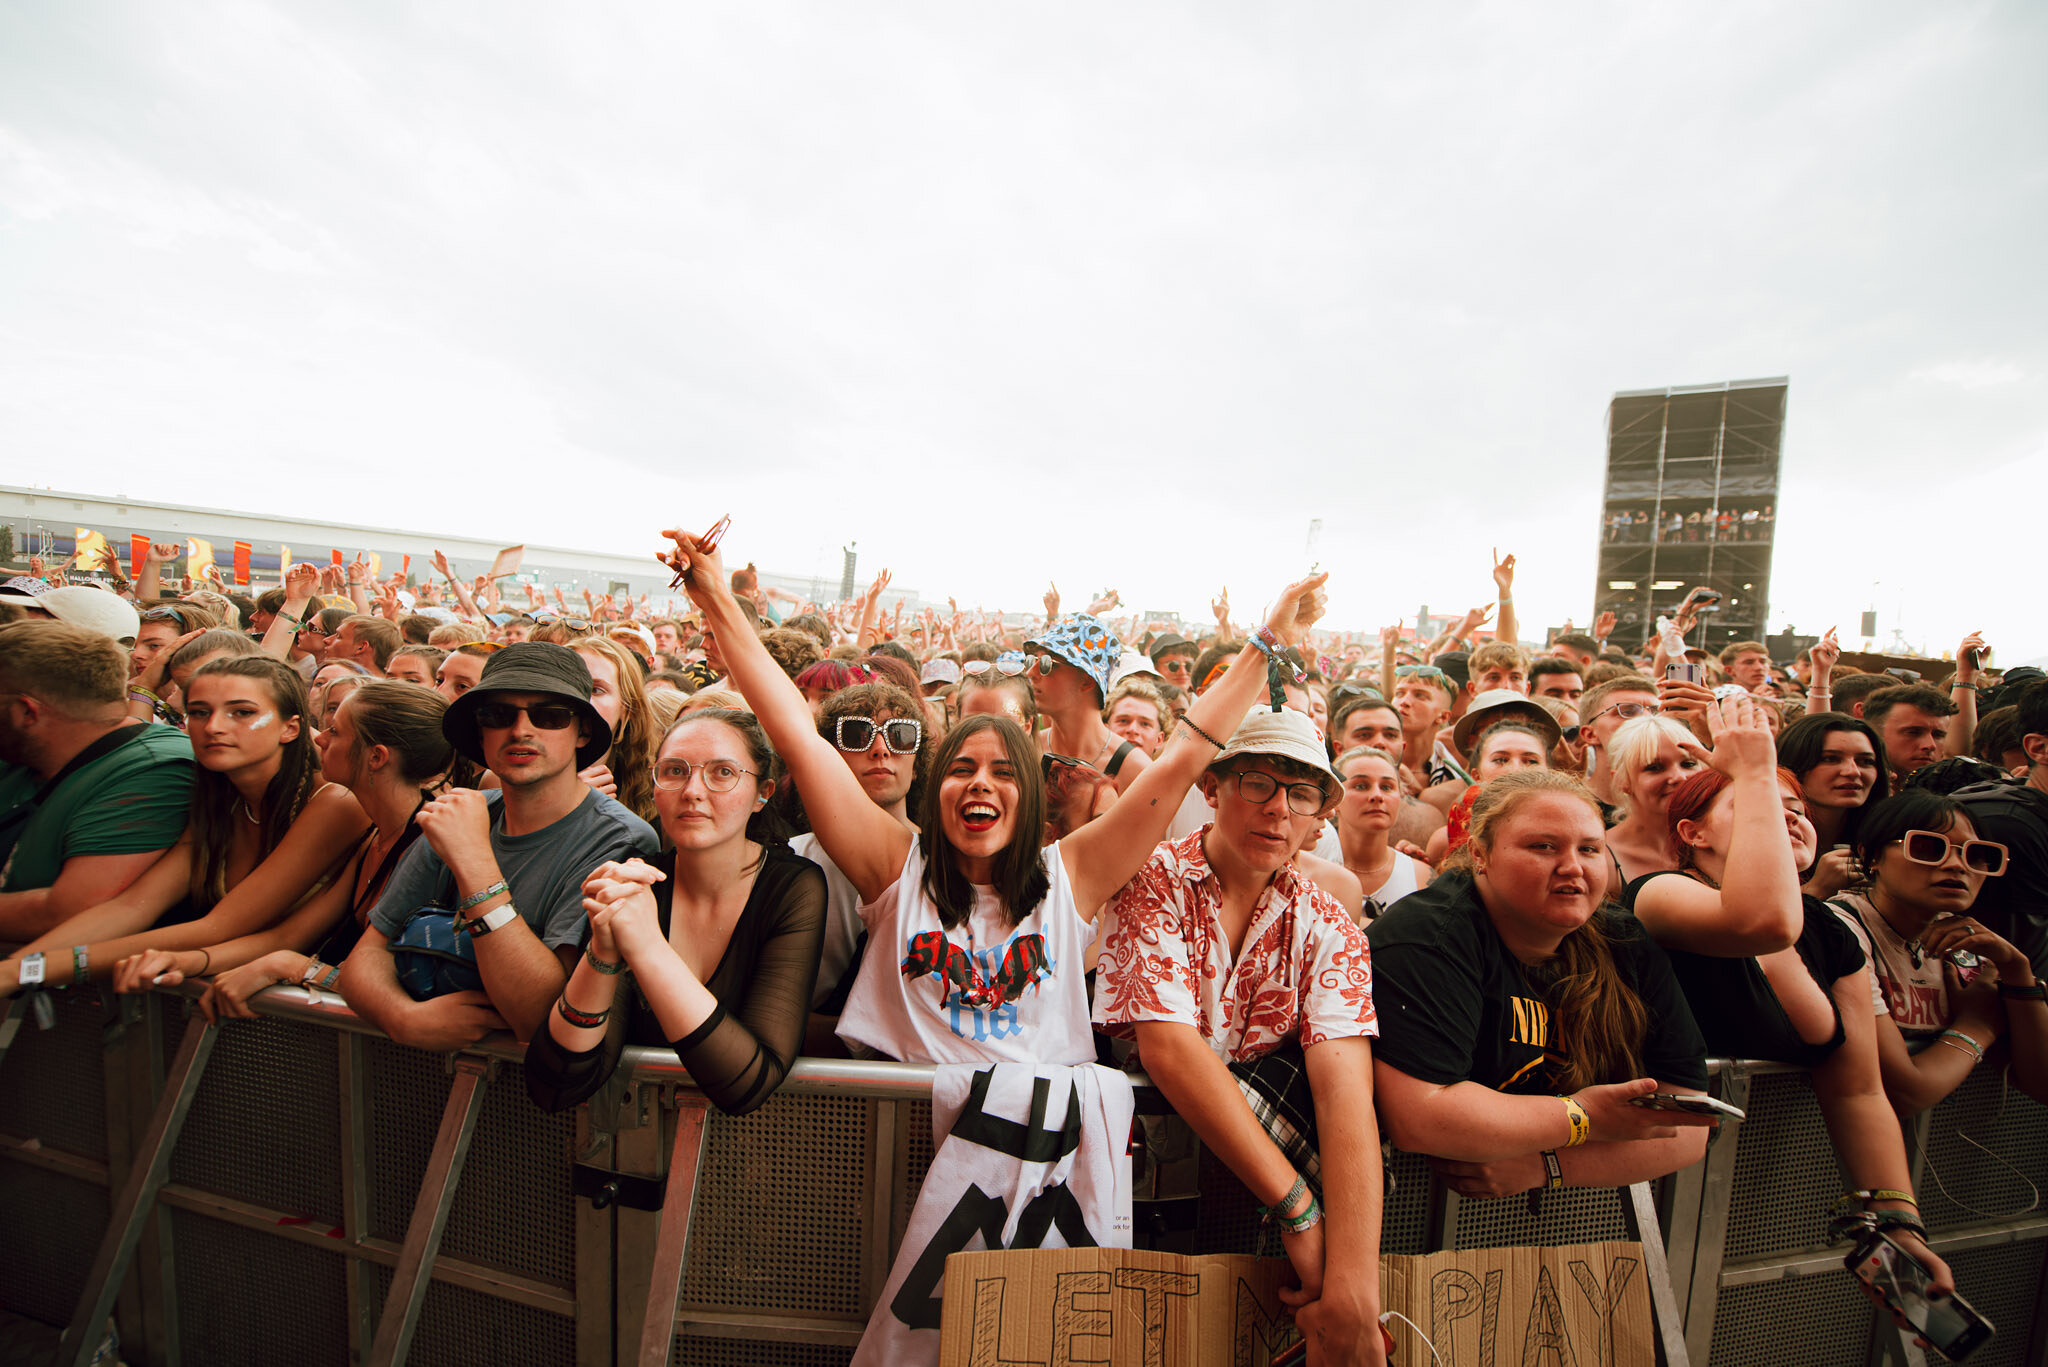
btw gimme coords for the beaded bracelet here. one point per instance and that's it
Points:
(1200, 732)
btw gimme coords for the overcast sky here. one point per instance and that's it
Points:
(1117, 295)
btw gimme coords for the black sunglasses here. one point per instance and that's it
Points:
(546, 716)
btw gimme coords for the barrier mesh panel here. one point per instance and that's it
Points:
(781, 1211)
(265, 1125)
(1786, 1177)
(1404, 1217)
(247, 1297)
(405, 1092)
(513, 1208)
(53, 1083)
(463, 1328)
(52, 1227)
(1958, 1175)
(1820, 1321)
(914, 1123)
(701, 1352)
(2003, 1284)
(1582, 1215)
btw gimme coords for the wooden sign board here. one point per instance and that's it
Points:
(1587, 1304)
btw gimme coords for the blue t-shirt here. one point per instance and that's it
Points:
(544, 869)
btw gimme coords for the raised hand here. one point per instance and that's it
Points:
(1504, 573)
(703, 571)
(1299, 607)
(301, 582)
(162, 552)
(1051, 600)
(358, 570)
(1969, 656)
(1604, 627)
(1475, 619)
(1742, 739)
(1104, 603)
(1219, 607)
(1822, 658)
(441, 566)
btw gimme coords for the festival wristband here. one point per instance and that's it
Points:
(79, 960)
(31, 969)
(1882, 1194)
(2032, 992)
(582, 1020)
(1582, 1124)
(1958, 1040)
(478, 899)
(608, 967)
(1277, 1211)
(1553, 1171)
(327, 984)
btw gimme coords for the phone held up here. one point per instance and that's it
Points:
(1950, 1323)
(1686, 671)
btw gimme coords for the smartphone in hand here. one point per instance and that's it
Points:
(1689, 1103)
(1950, 1323)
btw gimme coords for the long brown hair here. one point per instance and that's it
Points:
(634, 742)
(214, 798)
(1600, 1020)
(1021, 880)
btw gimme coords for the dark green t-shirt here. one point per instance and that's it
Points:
(131, 800)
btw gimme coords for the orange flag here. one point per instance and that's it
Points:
(138, 551)
(241, 562)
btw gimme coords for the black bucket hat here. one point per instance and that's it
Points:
(530, 667)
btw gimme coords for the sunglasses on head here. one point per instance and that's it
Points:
(1344, 693)
(856, 735)
(546, 716)
(165, 614)
(1048, 760)
(1932, 847)
(1012, 665)
(1425, 671)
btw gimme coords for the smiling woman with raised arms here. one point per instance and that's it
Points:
(990, 932)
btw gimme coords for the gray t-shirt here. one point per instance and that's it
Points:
(544, 869)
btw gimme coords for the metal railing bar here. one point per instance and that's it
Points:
(710, 1324)
(137, 1200)
(1815, 1261)
(672, 1242)
(408, 1293)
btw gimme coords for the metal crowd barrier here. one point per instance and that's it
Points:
(298, 1189)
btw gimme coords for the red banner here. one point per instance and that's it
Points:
(138, 552)
(337, 558)
(242, 562)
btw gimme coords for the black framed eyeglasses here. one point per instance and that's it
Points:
(856, 735)
(1987, 857)
(719, 775)
(546, 716)
(1257, 787)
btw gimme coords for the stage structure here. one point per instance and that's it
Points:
(1691, 500)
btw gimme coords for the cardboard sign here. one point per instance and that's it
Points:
(1583, 1304)
(507, 561)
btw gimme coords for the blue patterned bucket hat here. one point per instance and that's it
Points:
(1085, 642)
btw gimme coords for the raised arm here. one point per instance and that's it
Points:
(1504, 580)
(870, 606)
(867, 844)
(285, 624)
(1962, 728)
(1820, 687)
(1757, 909)
(1104, 855)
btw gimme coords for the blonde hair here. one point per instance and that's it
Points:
(452, 634)
(1498, 655)
(712, 697)
(634, 740)
(1636, 742)
(1600, 1020)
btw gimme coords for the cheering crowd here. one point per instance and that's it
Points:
(1490, 903)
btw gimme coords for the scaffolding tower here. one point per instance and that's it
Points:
(1691, 501)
